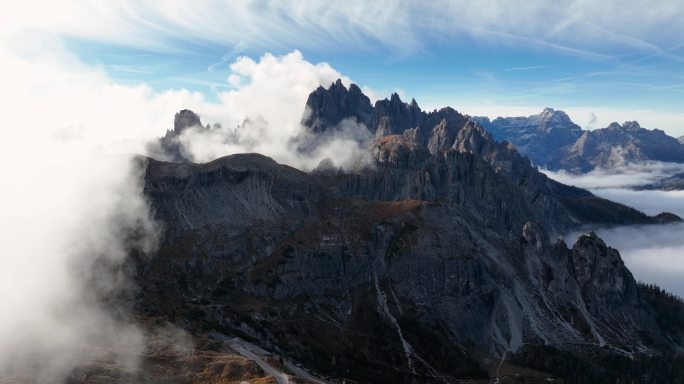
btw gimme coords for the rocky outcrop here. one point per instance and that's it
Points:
(185, 119)
(599, 268)
(169, 147)
(441, 138)
(327, 108)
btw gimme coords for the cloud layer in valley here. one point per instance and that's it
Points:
(654, 253)
(628, 175)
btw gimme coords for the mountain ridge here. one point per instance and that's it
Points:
(441, 250)
(579, 151)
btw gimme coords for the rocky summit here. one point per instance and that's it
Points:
(438, 262)
(537, 136)
(551, 140)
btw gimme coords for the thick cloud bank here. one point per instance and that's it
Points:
(654, 253)
(72, 209)
(71, 198)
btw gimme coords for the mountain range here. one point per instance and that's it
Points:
(552, 141)
(438, 261)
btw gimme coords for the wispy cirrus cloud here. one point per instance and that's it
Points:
(575, 27)
(632, 49)
(526, 68)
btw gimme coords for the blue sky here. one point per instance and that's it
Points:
(439, 72)
(615, 60)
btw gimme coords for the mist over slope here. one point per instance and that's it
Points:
(73, 204)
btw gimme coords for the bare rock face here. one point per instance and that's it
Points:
(408, 270)
(442, 137)
(327, 108)
(185, 119)
(599, 268)
(170, 147)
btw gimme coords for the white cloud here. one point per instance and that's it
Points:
(617, 184)
(271, 93)
(650, 202)
(71, 195)
(629, 175)
(70, 200)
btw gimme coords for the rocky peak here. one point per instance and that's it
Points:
(169, 146)
(537, 136)
(631, 126)
(326, 108)
(337, 85)
(185, 119)
(442, 137)
(393, 116)
(681, 139)
(618, 144)
(414, 105)
(601, 273)
(614, 126)
(550, 114)
(473, 138)
(555, 119)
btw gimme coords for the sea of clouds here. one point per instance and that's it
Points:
(654, 253)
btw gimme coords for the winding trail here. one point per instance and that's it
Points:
(259, 355)
(280, 377)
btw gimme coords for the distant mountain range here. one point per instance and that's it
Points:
(437, 262)
(552, 141)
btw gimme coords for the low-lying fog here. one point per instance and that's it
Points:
(654, 253)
